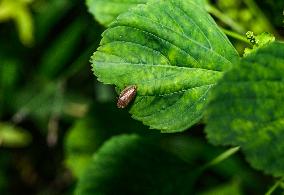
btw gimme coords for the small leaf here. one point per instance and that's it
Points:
(247, 109)
(233, 188)
(173, 52)
(18, 11)
(105, 11)
(62, 49)
(13, 137)
(258, 41)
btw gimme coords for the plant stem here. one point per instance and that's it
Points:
(222, 157)
(224, 18)
(235, 35)
(274, 187)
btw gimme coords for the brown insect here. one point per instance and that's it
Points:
(126, 96)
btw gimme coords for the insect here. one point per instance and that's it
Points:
(126, 96)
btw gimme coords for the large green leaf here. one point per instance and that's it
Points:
(130, 164)
(173, 52)
(105, 11)
(247, 109)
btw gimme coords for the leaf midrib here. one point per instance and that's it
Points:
(177, 92)
(157, 65)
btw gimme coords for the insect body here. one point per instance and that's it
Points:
(126, 96)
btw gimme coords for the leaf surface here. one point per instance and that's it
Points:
(131, 164)
(105, 11)
(247, 109)
(168, 164)
(13, 137)
(173, 52)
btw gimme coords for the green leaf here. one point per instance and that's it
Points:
(18, 11)
(90, 132)
(247, 109)
(173, 52)
(81, 142)
(258, 41)
(105, 11)
(13, 137)
(62, 49)
(232, 188)
(130, 164)
(126, 164)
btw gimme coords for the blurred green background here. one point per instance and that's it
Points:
(54, 115)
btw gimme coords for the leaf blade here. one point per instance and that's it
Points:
(121, 164)
(141, 48)
(106, 11)
(250, 101)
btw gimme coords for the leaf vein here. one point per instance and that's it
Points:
(161, 39)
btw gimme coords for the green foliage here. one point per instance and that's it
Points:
(8, 68)
(232, 188)
(8, 79)
(48, 15)
(243, 15)
(18, 11)
(134, 165)
(38, 101)
(105, 11)
(60, 131)
(173, 70)
(246, 109)
(258, 41)
(89, 133)
(81, 142)
(13, 137)
(273, 10)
